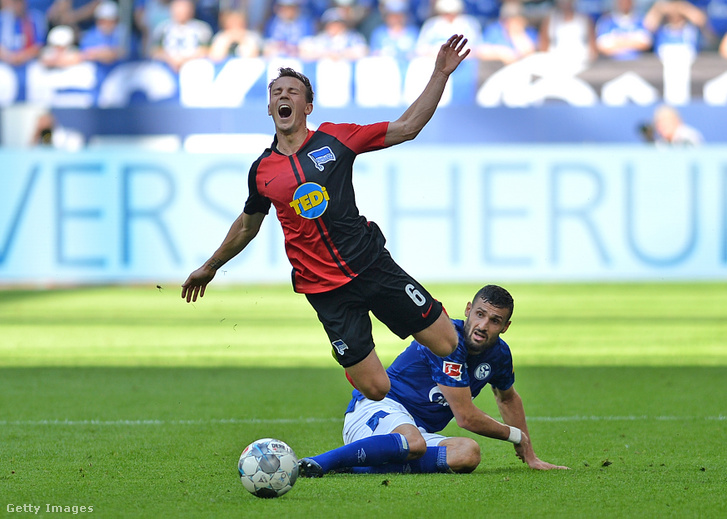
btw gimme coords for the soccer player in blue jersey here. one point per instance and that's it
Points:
(399, 433)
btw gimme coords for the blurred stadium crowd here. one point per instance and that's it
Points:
(62, 33)
(74, 55)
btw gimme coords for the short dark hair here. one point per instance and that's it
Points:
(496, 296)
(289, 72)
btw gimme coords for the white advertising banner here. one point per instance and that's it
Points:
(568, 213)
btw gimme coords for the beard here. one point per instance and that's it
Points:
(476, 348)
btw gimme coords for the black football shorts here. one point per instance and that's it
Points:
(384, 289)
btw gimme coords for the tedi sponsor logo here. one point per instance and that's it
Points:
(310, 200)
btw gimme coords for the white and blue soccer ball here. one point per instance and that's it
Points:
(268, 468)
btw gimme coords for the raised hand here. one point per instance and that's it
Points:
(451, 54)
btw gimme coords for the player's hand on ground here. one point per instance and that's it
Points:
(196, 283)
(524, 450)
(539, 464)
(451, 54)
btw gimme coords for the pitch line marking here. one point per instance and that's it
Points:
(628, 418)
(213, 421)
(253, 421)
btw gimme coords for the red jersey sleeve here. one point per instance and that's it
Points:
(358, 138)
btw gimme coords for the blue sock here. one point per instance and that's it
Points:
(375, 450)
(434, 460)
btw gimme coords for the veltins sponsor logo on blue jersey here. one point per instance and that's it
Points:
(310, 200)
(321, 156)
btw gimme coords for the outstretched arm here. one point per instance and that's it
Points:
(512, 411)
(471, 417)
(411, 122)
(243, 230)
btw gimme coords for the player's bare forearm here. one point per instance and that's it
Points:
(238, 237)
(241, 233)
(511, 409)
(479, 422)
(469, 416)
(413, 120)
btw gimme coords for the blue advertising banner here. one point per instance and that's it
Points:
(450, 213)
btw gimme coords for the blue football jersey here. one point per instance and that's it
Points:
(417, 371)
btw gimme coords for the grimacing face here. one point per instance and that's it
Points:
(288, 106)
(483, 325)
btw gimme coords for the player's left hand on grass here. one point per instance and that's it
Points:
(539, 464)
(524, 451)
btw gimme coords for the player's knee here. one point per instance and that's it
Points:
(452, 345)
(375, 391)
(375, 394)
(449, 339)
(369, 378)
(417, 446)
(443, 348)
(447, 344)
(441, 338)
(465, 457)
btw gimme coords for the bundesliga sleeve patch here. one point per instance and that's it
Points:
(453, 370)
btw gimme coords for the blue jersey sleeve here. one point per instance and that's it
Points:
(449, 371)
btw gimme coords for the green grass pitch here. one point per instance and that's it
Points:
(130, 401)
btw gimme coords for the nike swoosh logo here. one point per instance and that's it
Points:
(426, 314)
(268, 181)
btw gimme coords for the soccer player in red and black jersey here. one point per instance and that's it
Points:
(338, 256)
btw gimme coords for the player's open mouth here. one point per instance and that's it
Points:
(479, 336)
(285, 111)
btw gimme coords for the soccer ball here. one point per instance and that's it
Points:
(268, 468)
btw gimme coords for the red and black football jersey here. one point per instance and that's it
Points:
(327, 241)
